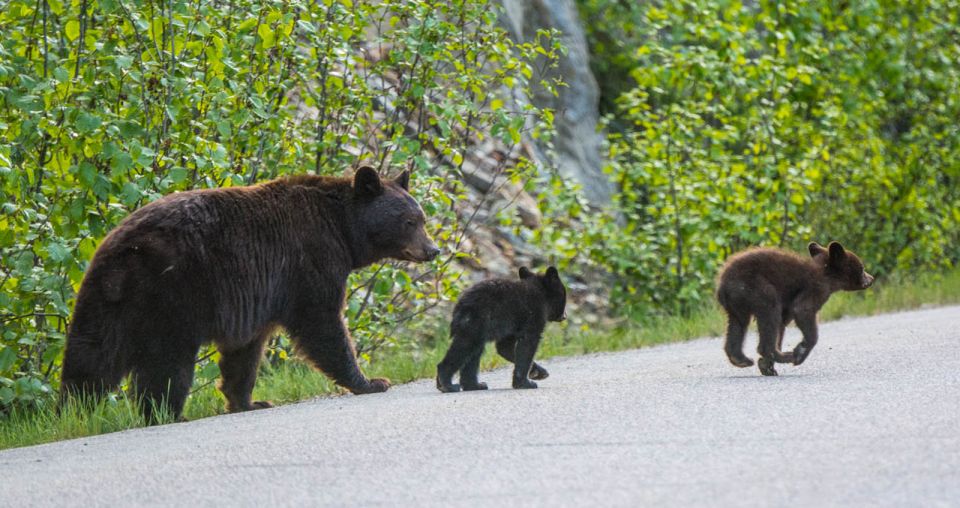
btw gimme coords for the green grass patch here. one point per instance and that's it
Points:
(295, 381)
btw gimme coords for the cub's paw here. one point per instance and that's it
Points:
(740, 361)
(800, 354)
(447, 387)
(261, 404)
(785, 358)
(525, 384)
(373, 386)
(539, 373)
(473, 387)
(766, 367)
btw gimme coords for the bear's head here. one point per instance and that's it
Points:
(556, 293)
(390, 222)
(842, 267)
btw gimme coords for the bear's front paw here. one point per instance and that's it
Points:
(261, 404)
(539, 373)
(800, 354)
(524, 384)
(766, 367)
(473, 387)
(373, 386)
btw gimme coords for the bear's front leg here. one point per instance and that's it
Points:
(808, 325)
(508, 347)
(524, 353)
(325, 341)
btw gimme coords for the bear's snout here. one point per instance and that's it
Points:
(424, 253)
(867, 280)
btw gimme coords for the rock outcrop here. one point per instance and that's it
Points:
(577, 144)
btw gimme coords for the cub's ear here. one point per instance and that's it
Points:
(403, 180)
(553, 273)
(525, 273)
(815, 248)
(836, 251)
(366, 182)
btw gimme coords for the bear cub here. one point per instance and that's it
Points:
(777, 287)
(512, 313)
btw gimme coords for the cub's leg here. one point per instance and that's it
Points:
(238, 368)
(526, 349)
(462, 348)
(737, 323)
(468, 373)
(779, 355)
(768, 324)
(507, 348)
(808, 325)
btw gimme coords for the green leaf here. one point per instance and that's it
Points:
(7, 358)
(266, 34)
(87, 122)
(72, 29)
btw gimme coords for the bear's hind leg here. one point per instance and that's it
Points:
(238, 368)
(507, 348)
(162, 379)
(737, 324)
(469, 371)
(461, 349)
(769, 324)
(88, 373)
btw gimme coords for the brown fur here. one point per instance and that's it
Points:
(512, 313)
(778, 287)
(230, 266)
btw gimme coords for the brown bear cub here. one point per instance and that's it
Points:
(777, 287)
(230, 266)
(512, 313)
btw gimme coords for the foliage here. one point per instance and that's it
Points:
(108, 104)
(777, 123)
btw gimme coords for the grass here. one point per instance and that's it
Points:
(295, 381)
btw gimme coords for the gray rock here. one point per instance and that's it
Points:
(577, 143)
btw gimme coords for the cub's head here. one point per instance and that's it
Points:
(553, 288)
(843, 267)
(391, 222)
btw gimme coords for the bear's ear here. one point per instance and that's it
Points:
(836, 251)
(403, 180)
(815, 248)
(366, 183)
(525, 273)
(552, 273)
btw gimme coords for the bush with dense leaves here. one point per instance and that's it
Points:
(776, 123)
(108, 104)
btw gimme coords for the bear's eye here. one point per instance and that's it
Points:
(411, 222)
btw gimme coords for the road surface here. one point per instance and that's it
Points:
(872, 418)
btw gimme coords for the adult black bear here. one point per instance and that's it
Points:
(231, 266)
(512, 313)
(777, 287)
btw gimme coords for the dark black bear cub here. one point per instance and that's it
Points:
(777, 287)
(230, 266)
(511, 313)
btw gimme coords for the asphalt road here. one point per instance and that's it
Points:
(872, 418)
